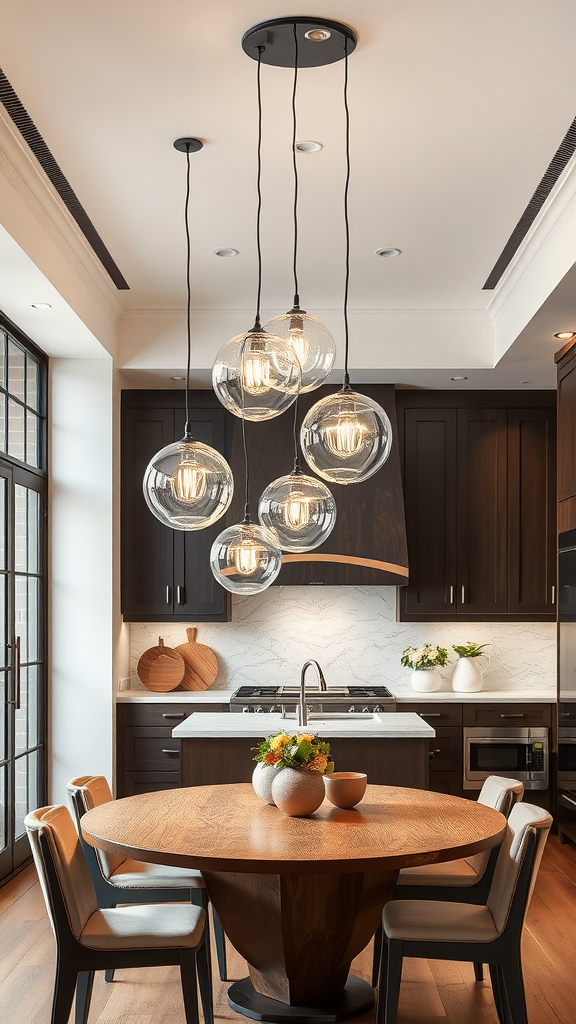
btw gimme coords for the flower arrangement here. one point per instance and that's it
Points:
(302, 750)
(469, 650)
(426, 656)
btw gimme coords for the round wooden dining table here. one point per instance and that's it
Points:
(299, 898)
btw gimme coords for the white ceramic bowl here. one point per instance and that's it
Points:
(345, 789)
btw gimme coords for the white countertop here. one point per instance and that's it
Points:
(402, 691)
(175, 696)
(404, 725)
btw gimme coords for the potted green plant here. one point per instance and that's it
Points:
(468, 673)
(424, 662)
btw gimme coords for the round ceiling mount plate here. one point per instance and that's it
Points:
(187, 144)
(315, 49)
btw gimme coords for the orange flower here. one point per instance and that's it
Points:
(271, 757)
(317, 764)
(307, 736)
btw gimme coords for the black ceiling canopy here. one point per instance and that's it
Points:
(320, 42)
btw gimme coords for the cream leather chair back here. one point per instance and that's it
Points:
(524, 819)
(69, 862)
(502, 795)
(94, 790)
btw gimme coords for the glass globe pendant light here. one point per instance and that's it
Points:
(308, 337)
(188, 485)
(257, 375)
(299, 509)
(346, 437)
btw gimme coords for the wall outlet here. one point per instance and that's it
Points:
(123, 684)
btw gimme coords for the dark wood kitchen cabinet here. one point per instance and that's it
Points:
(166, 573)
(566, 360)
(479, 486)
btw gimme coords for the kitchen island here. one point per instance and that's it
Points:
(392, 749)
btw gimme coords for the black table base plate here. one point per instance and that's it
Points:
(356, 999)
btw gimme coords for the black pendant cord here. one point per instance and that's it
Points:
(295, 436)
(346, 219)
(187, 430)
(295, 169)
(257, 325)
(246, 475)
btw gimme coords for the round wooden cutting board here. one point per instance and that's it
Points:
(201, 664)
(161, 668)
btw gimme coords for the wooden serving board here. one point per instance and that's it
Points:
(161, 668)
(201, 664)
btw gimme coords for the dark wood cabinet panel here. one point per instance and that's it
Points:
(499, 716)
(434, 713)
(150, 749)
(148, 782)
(446, 749)
(567, 430)
(449, 783)
(479, 495)
(166, 573)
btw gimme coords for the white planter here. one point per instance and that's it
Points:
(467, 674)
(262, 779)
(425, 680)
(298, 792)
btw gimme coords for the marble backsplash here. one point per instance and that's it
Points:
(353, 633)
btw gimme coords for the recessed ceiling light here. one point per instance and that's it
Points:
(317, 35)
(41, 305)
(565, 335)
(308, 147)
(226, 253)
(458, 378)
(388, 252)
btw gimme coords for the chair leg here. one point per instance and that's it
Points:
(203, 967)
(220, 938)
(376, 955)
(64, 987)
(83, 996)
(498, 993)
(513, 991)
(189, 987)
(389, 984)
(479, 972)
(109, 974)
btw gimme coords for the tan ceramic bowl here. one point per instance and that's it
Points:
(345, 789)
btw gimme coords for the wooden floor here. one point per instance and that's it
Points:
(433, 992)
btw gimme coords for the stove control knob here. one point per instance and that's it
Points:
(245, 710)
(272, 709)
(377, 708)
(366, 710)
(259, 710)
(351, 710)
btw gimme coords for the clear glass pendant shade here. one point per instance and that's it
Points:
(256, 376)
(188, 485)
(346, 437)
(245, 558)
(300, 510)
(311, 342)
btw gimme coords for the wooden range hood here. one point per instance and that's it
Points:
(368, 544)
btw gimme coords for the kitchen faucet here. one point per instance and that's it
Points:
(302, 709)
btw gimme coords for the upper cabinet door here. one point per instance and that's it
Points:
(531, 511)
(482, 507)
(567, 433)
(147, 546)
(430, 493)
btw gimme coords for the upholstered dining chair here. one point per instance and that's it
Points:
(467, 880)
(90, 939)
(472, 932)
(130, 881)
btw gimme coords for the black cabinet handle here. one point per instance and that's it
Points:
(432, 752)
(170, 751)
(174, 714)
(433, 714)
(521, 715)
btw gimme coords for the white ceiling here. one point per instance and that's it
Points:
(457, 109)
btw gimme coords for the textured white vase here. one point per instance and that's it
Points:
(425, 680)
(298, 792)
(262, 779)
(467, 674)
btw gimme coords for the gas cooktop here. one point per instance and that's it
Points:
(273, 697)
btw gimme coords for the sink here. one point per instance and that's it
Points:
(332, 716)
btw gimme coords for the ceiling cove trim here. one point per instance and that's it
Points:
(29, 132)
(558, 163)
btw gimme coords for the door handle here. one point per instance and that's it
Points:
(435, 714)
(180, 595)
(553, 594)
(513, 716)
(168, 600)
(463, 594)
(170, 751)
(16, 670)
(451, 595)
(179, 714)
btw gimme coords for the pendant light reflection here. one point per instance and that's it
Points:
(346, 437)
(300, 511)
(311, 342)
(245, 558)
(256, 375)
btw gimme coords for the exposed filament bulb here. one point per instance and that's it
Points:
(188, 482)
(256, 378)
(297, 340)
(247, 557)
(345, 438)
(297, 510)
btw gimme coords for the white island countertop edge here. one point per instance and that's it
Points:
(399, 725)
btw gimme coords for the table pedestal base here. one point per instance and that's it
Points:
(356, 998)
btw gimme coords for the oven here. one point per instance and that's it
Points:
(511, 753)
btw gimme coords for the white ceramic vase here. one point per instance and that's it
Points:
(262, 779)
(298, 792)
(425, 680)
(468, 673)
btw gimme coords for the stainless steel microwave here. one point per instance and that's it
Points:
(512, 753)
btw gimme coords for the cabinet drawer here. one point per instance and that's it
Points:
(499, 716)
(165, 716)
(447, 750)
(150, 750)
(435, 714)
(147, 782)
